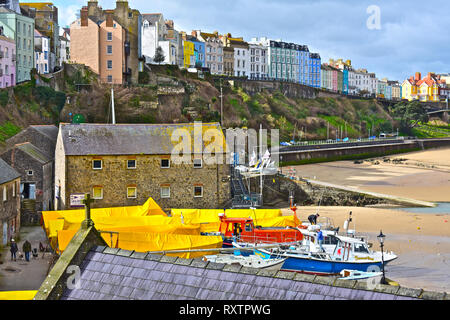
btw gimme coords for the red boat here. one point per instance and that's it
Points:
(244, 230)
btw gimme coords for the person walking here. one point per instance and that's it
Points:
(26, 248)
(13, 250)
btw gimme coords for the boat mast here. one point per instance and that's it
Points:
(261, 173)
(112, 106)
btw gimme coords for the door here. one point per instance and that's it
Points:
(5, 234)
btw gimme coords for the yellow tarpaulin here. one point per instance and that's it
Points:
(54, 226)
(17, 295)
(146, 241)
(149, 208)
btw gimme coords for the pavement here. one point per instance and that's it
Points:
(22, 275)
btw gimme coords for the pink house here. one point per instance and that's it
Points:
(7, 61)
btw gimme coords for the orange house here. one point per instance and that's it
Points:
(99, 45)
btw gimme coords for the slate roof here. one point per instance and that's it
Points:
(7, 173)
(152, 17)
(33, 152)
(115, 274)
(125, 139)
(50, 131)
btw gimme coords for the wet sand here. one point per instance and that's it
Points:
(422, 241)
(425, 175)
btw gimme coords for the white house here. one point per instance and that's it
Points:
(259, 58)
(64, 46)
(42, 52)
(154, 32)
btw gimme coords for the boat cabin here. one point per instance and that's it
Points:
(244, 230)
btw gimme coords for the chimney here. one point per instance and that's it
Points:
(109, 18)
(418, 76)
(84, 16)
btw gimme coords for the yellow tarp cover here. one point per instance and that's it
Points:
(146, 241)
(149, 208)
(17, 295)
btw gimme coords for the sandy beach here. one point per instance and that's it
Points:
(424, 175)
(421, 240)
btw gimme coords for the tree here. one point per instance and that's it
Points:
(159, 55)
(409, 115)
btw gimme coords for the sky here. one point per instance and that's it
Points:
(394, 39)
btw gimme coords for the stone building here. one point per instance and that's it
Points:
(31, 152)
(36, 170)
(41, 136)
(124, 165)
(10, 202)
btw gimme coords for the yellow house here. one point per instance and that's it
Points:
(424, 90)
(189, 54)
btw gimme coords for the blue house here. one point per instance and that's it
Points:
(315, 63)
(304, 65)
(199, 51)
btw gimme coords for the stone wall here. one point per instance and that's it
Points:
(10, 210)
(148, 178)
(290, 90)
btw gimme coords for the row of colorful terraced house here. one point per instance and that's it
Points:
(117, 44)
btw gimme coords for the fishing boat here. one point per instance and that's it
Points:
(253, 261)
(308, 257)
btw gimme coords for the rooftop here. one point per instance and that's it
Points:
(130, 139)
(108, 273)
(7, 173)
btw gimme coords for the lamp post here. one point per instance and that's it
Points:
(381, 238)
(281, 164)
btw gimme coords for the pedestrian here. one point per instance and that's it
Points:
(26, 248)
(13, 250)
(320, 239)
(313, 218)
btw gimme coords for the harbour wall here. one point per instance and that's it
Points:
(339, 153)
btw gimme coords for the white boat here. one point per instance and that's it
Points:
(251, 261)
(358, 275)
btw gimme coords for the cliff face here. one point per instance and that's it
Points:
(168, 95)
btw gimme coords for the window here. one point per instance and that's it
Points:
(30, 172)
(198, 163)
(165, 163)
(248, 227)
(131, 192)
(109, 49)
(109, 36)
(4, 194)
(109, 78)
(97, 192)
(109, 64)
(131, 164)
(14, 190)
(165, 192)
(198, 191)
(97, 164)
